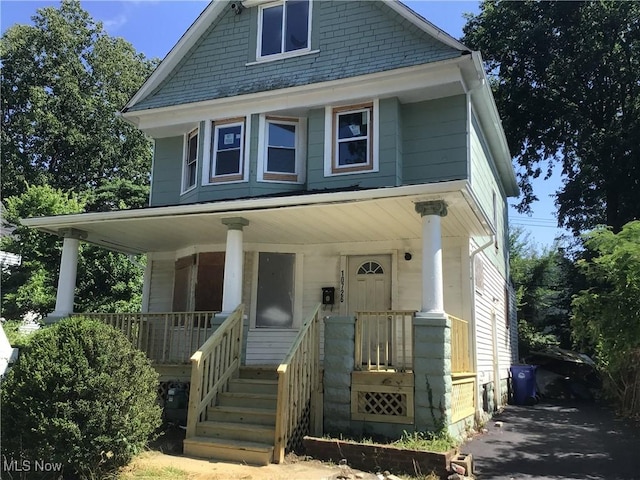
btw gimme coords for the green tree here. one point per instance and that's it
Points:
(607, 315)
(106, 281)
(31, 286)
(63, 81)
(544, 282)
(565, 78)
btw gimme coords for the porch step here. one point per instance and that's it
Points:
(248, 400)
(245, 415)
(231, 450)
(259, 372)
(241, 425)
(236, 431)
(251, 385)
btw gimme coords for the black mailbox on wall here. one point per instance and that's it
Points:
(328, 295)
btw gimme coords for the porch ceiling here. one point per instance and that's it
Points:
(355, 220)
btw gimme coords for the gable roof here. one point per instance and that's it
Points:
(217, 8)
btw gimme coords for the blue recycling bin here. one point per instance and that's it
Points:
(523, 378)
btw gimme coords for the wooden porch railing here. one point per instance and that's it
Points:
(298, 387)
(384, 340)
(460, 351)
(167, 338)
(212, 366)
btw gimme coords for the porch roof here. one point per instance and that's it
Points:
(357, 216)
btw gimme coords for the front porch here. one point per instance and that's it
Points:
(380, 354)
(384, 372)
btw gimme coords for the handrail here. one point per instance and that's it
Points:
(213, 365)
(166, 337)
(298, 385)
(384, 340)
(460, 351)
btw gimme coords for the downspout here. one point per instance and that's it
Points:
(472, 301)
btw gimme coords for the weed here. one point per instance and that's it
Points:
(431, 441)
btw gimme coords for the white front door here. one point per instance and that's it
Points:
(369, 286)
(370, 291)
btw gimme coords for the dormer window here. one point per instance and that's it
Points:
(190, 163)
(284, 27)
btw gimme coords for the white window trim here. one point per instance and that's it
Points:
(282, 54)
(210, 139)
(301, 154)
(330, 141)
(272, 58)
(185, 153)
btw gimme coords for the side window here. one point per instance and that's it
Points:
(352, 139)
(190, 161)
(227, 151)
(282, 149)
(283, 27)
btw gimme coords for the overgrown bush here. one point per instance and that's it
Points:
(531, 339)
(80, 395)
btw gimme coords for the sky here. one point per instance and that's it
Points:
(153, 27)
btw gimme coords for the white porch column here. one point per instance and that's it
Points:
(67, 278)
(233, 264)
(432, 278)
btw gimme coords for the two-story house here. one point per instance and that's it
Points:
(331, 177)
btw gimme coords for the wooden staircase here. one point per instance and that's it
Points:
(241, 425)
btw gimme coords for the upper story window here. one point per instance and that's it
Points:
(190, 162)
(352, 139)
(281, 149)
(283, 27)
(227, 151)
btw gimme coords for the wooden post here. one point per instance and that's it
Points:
(195, 394)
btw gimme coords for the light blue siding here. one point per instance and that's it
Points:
(485, 184)
(167, 171)
(434, 143)
(418, 143)
(353, 38)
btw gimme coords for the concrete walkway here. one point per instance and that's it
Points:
(553, 441)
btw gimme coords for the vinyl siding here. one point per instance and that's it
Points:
(386, 131)
(322, 268)
(484, 183)
(167, 171)
(434, 141)
(353, 38)
(488, 300)
(161, 285)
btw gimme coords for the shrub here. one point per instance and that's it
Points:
(16, 338)
(79, 395)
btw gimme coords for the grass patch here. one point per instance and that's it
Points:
(429, 441)
(424, 441)
(152, 473)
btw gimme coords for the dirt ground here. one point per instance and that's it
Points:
(292, 469)
(166, 451)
